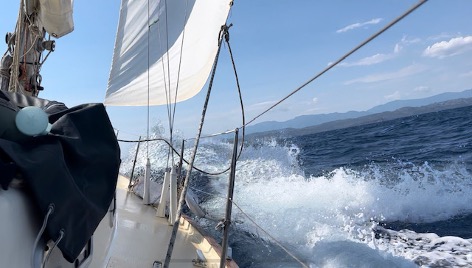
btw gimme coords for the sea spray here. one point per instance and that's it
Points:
(389, 194)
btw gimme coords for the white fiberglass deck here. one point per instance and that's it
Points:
(142, 238)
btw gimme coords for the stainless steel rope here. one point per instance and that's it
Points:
(342, 58)
(192, 159)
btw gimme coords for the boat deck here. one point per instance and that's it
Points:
(141, 238)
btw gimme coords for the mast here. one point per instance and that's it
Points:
(26, 45)
(21, 64)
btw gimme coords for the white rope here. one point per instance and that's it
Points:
(41, 231)
(27, 35)
(16, 55)
(61, 235)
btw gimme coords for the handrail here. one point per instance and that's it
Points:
(179, 155)
(230, 200)
(199, 136)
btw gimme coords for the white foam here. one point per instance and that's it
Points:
(426, 249)
(345, 204)
(336, 213)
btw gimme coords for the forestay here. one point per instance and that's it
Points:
(179, 50)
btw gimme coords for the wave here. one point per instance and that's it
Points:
(340, 209)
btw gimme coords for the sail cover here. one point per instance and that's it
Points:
(56, 16)
(174, 57)
(74, 167)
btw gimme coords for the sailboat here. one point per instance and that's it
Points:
(63, 203)
(117, 231)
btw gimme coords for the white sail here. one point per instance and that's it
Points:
(198, 22)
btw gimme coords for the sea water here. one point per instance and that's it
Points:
(390, 194)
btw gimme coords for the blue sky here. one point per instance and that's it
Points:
(277, 46)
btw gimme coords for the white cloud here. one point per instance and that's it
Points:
(404, 72)
(467, 74)
(264, 103)
(454, 46)
(405, 42)
(394, 96)
(381, 57)
(442, 36)
(374, 59)
(422, 89)
(408, 41)
(397, 48)
(312, 111)
(260, 105)
(359, 24)
(315, 100)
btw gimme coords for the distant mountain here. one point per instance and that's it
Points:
(317, 119)
(394, 105)
(303, 121)
(378, 117)
(368, 119)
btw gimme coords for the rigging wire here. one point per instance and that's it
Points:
(37, 63)
(174, 106)
(148, 82)
(171, 127)
(279, 244)
(239, 94)
(197, 139)
(192, 159)
(14, 82)
(224, 36)
(165, 74)
(342, 58)
(168, 88)
(175, 151)
(166, 78)
(269, 235)
(29, 55)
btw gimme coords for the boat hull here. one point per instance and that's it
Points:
(19, 227)
(20, 224)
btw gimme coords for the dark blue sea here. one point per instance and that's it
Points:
(390, 194)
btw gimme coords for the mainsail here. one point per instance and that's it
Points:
(164, 50)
